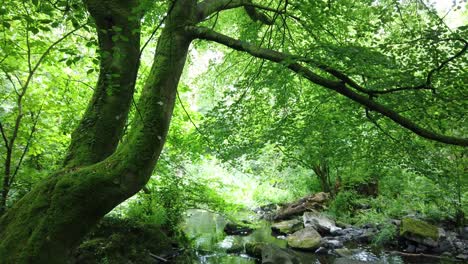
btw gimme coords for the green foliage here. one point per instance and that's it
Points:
(386, 235)
(344, 204)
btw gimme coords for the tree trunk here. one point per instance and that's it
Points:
(118, 30)
(47, 223)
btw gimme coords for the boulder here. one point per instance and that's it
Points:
(271, 254)
(307, 239)
(287, 227)
(419, 231)
(320, 222)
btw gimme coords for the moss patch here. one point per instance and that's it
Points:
(410, 226)
(122, 241)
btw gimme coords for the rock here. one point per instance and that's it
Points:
(321, 251)
(464, 233)
(320, 222)
(342, 225)
(367, 235)
(271, 254)
(332, 243)
(411, 248)
(444, 245)
(462, 257)
(343, 252)
(307, 239)
(421, 248)
(237, 229)
(419, 231)
(287, 227)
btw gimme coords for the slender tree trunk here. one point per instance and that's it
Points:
(47, 223)
(6, 182)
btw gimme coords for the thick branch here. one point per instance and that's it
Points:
(101, 127)
(340, 87)
(210, 7)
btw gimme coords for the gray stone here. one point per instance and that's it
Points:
(307, 239)
(321, 251)
(331, 243)
(287, 227)
(343, 252)
(319, 222)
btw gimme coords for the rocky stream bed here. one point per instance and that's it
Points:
(299, 233)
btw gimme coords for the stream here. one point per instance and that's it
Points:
(212, 246)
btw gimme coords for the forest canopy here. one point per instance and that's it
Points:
(185, 103)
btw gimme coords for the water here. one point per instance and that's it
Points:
(212, 246)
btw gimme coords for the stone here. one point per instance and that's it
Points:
(307, 239)
(332, 243)
(464, 233)
(343, 252)
(419, 231)
(462, 257)
(367, 235)
(410, 248)
(321, 251)
(421, 249)
(319, 222)
(272, 254)
(287, 227)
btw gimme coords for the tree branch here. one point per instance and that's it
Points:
(209, 7)
(5, 138)
(290, 62)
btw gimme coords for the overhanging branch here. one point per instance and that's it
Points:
(290, 61)
(209, 7)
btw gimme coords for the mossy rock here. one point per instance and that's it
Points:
(411, 226)
(122, 241)
(420, 232)
(306, 239)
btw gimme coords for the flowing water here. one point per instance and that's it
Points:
(211, 245)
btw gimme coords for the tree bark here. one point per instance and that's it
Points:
(47, 223)
(118, 30)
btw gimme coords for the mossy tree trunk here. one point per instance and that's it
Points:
(48, 222)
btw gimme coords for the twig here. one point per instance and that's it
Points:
(158, 257)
